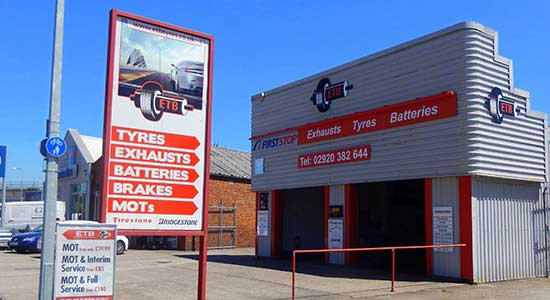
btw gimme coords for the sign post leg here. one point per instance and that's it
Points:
(201, 288)
(3, 224)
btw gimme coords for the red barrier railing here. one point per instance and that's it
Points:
(392, 249)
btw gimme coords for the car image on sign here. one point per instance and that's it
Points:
(187, 76)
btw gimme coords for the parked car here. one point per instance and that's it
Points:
(187, 76)
(26, 242)
(32, 241)
(122, 242)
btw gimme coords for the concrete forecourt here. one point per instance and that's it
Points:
(236, 274)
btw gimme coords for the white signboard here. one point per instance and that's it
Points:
(442, 227)
(263, 223)
(156, 122)
(84, 262)
(335, 233)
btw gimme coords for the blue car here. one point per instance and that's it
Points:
(26, 242)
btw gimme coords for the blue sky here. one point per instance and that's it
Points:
(258, 45)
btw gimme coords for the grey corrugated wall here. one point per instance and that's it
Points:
(462, 58)
(445, 193)
(515, 148)
(508, 229)
(302, 219)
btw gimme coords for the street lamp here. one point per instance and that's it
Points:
(21, 196)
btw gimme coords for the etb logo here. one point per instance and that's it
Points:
(104, 235)
(499, 107)
(326, 92)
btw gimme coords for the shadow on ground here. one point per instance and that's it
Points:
(317, 269)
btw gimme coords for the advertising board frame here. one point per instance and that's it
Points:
(114, 15)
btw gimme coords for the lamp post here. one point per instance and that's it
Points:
(21, 196)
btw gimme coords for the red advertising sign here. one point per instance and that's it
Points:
(157, 124)
(411, 112)
(338, 156)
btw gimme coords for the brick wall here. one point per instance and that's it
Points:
(229, 192)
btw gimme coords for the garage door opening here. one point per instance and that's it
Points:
(391, 214)
(302, 217)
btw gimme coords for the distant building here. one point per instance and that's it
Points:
(230, 199)
(23, 191)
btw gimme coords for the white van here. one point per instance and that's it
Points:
(21, 214)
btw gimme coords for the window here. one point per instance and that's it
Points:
(258, 166)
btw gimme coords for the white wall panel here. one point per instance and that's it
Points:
(445, 193)
(508, 229)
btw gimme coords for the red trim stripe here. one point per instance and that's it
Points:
(336, 119)
(465, 216)
(428, 222)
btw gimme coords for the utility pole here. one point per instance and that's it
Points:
(52, 130)
(3, 166)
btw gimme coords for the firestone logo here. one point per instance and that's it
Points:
(326, 92)
(499, 107)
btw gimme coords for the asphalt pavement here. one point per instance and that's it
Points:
(237, 274)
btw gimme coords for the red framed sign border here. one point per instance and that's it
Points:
(114, 15)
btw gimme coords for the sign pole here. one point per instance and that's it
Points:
(3, 168)
(201, 288)
(50, 203)
(3, 224)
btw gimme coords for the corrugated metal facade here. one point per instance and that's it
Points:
(508, 161)
(516, 148)
(508, 229)
(462, 58)
(445, 193)
(337, 196)
(302, 219)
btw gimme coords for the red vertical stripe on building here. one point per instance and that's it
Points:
(276, 224)
(351, 222)
(256, 224)
(347, 221)
(465, 216)
(327, 195)
(428, 222)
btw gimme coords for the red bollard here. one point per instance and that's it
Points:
(293, 275)
(392, 269)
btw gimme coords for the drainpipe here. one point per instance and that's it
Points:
(87, 205)
(544, 197)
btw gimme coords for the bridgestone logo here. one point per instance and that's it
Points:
(177, 222)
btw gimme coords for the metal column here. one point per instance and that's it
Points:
(48, 242)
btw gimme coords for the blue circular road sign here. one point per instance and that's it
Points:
(56, 147)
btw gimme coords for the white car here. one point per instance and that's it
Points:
(121, 240)
(187, 76)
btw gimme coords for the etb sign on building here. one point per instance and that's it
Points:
(85, 262)
(156, 140)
